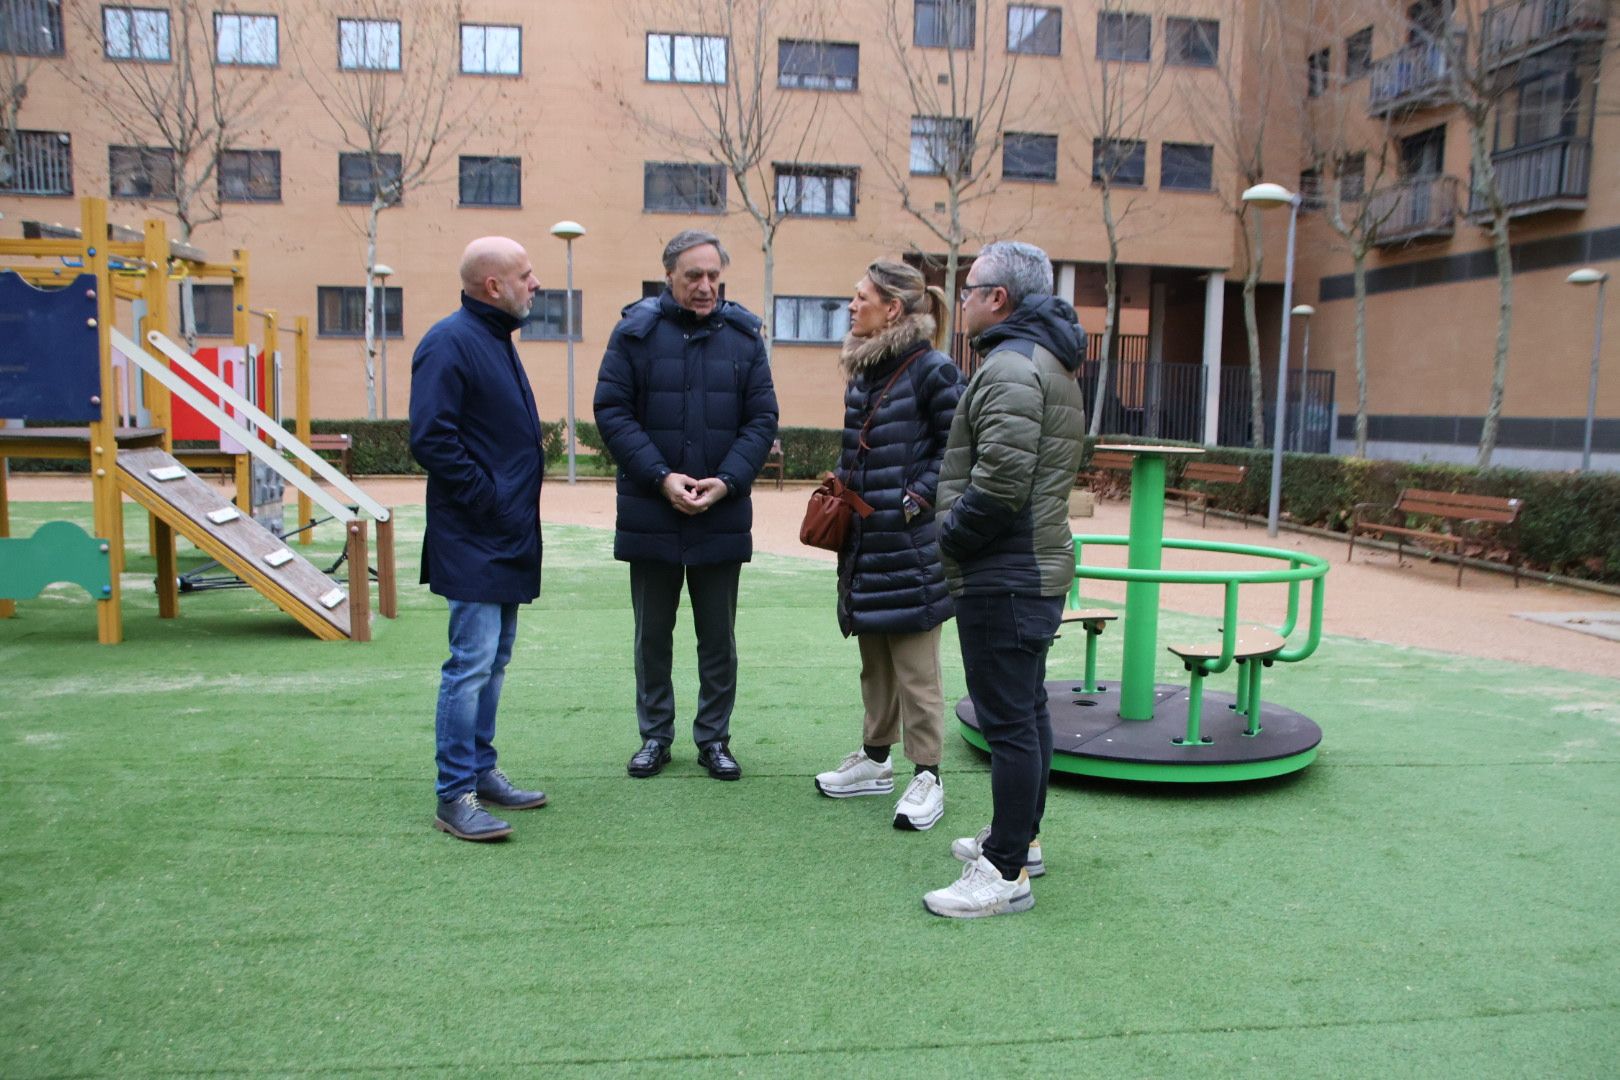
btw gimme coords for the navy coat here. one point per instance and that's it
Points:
(890, 580)
(679, 393)
(476, 430)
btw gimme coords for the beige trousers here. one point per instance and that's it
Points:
(902, 692)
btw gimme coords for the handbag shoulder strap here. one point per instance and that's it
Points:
(871, 414)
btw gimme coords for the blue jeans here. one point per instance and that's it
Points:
(481, 637)
(1004, 642)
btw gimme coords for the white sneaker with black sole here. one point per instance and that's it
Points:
(981, 891)
(968, 848)
(856, 775)
(922, 804)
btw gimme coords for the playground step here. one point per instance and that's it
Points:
(249, 550)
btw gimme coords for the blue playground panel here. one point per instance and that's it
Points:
(50, 350)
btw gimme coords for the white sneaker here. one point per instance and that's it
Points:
(968, 848)
(981, 891)
(857, 774)
(922, 804)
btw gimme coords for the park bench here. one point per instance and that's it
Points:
(341, 445)
(774, 462)
(1460, 521)
(1108, 474)
(1204, 472)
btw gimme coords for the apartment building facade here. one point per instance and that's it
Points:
(882, 144)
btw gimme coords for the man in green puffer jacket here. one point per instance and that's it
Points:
(1005, 541)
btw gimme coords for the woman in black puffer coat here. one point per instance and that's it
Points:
(898, 407)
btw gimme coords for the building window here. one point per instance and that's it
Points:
(1424, 154)
(1037, 31)
(491, 181)
(1352, 177)
(816, 190)
(1316, 72)
(1551, 98)
(1124, 36)
(1192, 42)
(41, 164)
(686, 58)
(1312, 195)
(548, 317)
(360, 179)
(248, 40)
(491, 50)
(1358, 54)
(213, 308)
(811, 320)
(682, 187)
(1028, 157)
(368, 44)
(140, 172)
(250, 176)
(940, 145)
(31, 27)
(1119, 162)
(817, 65)
(1187, 167)
(943, 24)
(133, 33)
(341, 310)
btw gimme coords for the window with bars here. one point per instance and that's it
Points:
(341, 311)
(1119, 162)
(212, 307)
(491, 181)
(246, 40)
(943, 24)
(491, 50)
(817, 65)
(1358, 53)
(360, 178)
(1028, 157)
(133, 33)
(140, 172)
(686, 58)
(940, 145)
(1037, 31)
(1124, 35)
(250, 176)
(1187, 166)
(1312, 195)
(1352, 177)
(1316, 72)
(1192, 42)
(41, 164)
(816, 190)
(368, 44)
(31, 27)
(811, 320)
(683, 187)
(548, 317)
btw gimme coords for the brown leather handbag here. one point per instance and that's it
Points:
(826, 520)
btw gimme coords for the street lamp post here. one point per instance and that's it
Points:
(1304, 311)
(382, 272)
(1586, 275)
(568, 232)
(1268, 197)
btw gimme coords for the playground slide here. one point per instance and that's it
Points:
(242, 545)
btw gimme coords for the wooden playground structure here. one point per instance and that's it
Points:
(59, 339)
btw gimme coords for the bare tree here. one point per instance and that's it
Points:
(1119, 103)
(397, 104)
(730, 109)
(959, 99)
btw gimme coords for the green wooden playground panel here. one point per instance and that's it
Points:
(58, 551)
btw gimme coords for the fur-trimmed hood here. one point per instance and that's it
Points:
(906, 333)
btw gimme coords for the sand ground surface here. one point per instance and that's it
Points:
(1415, 603)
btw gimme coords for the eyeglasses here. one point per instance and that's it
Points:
(968, 289)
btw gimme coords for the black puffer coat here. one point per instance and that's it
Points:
(889, 576)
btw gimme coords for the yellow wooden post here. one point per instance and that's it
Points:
(157, 318)
(108, 507)
(8, 608)
(301, 408)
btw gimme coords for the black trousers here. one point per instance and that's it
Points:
(655, 594)
(1004, 643)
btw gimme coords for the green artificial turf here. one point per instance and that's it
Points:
(217, 860)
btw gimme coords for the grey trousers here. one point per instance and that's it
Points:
(655, 594)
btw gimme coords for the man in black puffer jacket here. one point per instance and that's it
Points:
(685, 404)
(1005, 539)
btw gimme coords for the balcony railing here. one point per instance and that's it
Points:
(1532, 179)
(1514, 30)
(1418, 75)
(1415, 209)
